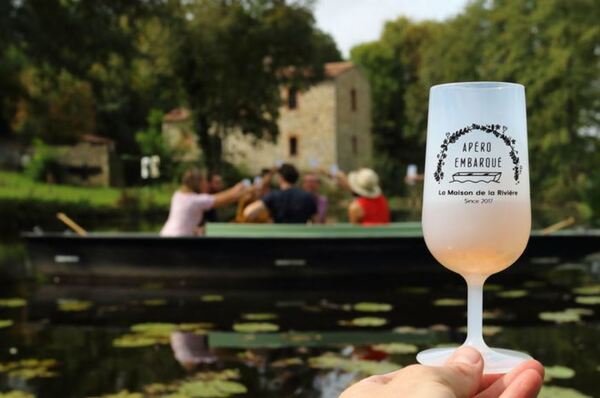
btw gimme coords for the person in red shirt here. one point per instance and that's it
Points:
(369, 207)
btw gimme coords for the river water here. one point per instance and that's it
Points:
(156, 341)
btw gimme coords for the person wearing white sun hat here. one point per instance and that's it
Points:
(370, 207)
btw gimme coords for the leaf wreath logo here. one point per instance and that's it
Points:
(496, 130)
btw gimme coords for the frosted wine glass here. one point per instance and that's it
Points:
(476, 206)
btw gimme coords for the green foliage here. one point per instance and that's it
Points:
(550, 47)
(231, 56)
(43, 165)
(151, 141)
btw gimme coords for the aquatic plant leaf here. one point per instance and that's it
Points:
(492, 314)
(364, 322)
(29, 368)
(208, 298)
(560, 316)
(259, 316)
(5, 323)
(512, 293)
(487, 330)
(154, 328)
(560, 392)
(285, 362)
(449, 302)
(558, 372)
(587, 290)
(335, 361)
(490, 287)
(410, 330)
(198, 328)
(154, 302)
(134, 341)
(73, 305)
(396, 348)
(124, 394)
(212, 388)
(414, 290)
(16, 394)
(13, 302)
(225, 374)
(534, 284)
(157, 388)
(588, 300)
(255, 327)
(372, 307)
(580, 311)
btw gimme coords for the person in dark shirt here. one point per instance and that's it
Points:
(289, 205)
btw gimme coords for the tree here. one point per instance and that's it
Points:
(392, 65)
(233, 57)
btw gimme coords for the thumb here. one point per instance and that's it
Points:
(463, 371)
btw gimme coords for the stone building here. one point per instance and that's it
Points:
(329, 123)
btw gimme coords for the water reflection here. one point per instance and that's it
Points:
(191, 343)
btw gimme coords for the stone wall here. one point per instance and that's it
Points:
(311, 123)
(87, 164)
(354, 140)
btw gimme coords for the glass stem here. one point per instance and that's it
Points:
(475, 312)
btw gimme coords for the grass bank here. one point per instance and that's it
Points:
(25, 204)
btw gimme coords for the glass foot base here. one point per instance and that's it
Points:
(496, 360)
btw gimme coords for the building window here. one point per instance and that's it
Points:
(354, 145)
(353, 100)
(292, 98)
(293, 146)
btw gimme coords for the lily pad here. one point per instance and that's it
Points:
(259, 317)
(558, 372)
(212, 388)
(13, 302)
(492, 314)
(449, 302)
(124, 394)
(364, 322)
(209, 298)
(396, 348)
(560, 392)
(73, 305)
(581, 311)
(285, 362)
(534, 284)
(587, 290)
(29, 368)
(487, 330)
(560, 316)
(134, 341)
(512, 294)
(255, 327)
(410, 330)
(588, 300)
(154, 302)
(5, 323)
(372, 307)
(154, 329)
(16, 394)
(490, 287)
(334, 361)
(414, 290)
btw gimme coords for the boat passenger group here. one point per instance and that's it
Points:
(194, 203)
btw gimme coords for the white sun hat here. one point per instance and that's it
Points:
(364, 182)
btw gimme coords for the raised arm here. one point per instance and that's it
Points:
(229, 195)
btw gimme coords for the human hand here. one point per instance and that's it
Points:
(461, 377)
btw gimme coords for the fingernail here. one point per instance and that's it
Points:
(467, 355)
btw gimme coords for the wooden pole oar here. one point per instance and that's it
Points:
(558, 226)
(71, 224)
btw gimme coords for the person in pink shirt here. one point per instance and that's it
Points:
(188, 204)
